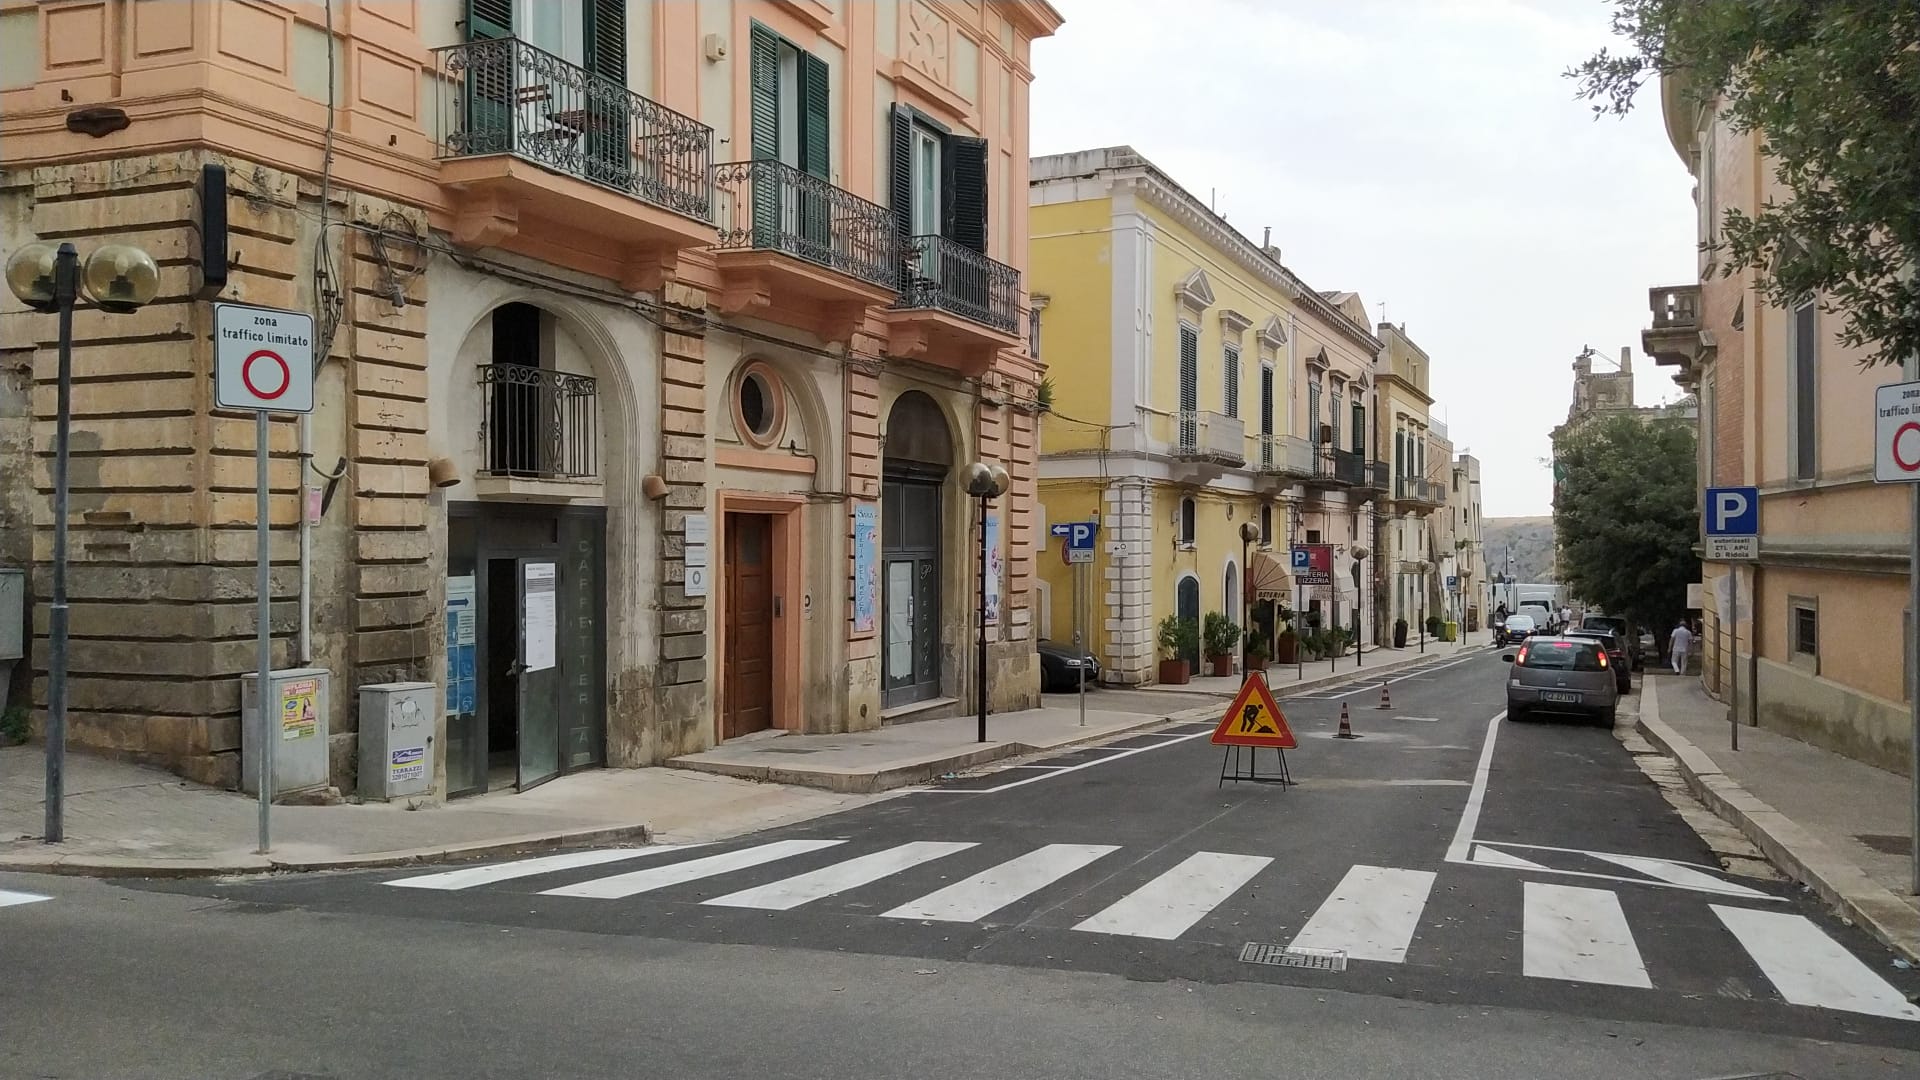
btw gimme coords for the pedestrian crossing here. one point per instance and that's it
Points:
(1569, 933)
(9, 898)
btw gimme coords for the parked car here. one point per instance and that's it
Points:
(1616, 655)
(1561, 675)
(1619, 627)
(1516, 629)
(1061, 665)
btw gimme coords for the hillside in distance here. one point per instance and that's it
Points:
(1527, 540)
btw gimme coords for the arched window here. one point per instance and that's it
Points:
(1187, 515)
(1230, 592)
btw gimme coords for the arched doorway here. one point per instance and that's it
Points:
(919, 455)
(1187, 607)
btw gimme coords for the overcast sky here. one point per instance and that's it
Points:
(1425, 153)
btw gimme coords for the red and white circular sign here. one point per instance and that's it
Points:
(266, 374)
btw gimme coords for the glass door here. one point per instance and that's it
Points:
(538, 671)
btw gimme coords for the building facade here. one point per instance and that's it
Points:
(1468, 588)
(656, 337)
(1406, 569)
(1819, 639)
(1199, 386)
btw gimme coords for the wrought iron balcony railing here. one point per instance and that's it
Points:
(769, 206)
(940, 273)
(1375, 475)
(539, 424)
(504, 96)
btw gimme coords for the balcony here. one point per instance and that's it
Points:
(1285, 457)
(957, 308)
(540, 152)
(539, 434)
(1676, 338)
(799, 251)
(1375, 478)
(1414, 490)
(1209, 437)
(1335, 468)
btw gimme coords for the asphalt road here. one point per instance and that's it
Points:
(1528, 908)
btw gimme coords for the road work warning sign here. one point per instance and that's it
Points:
(1254, 719)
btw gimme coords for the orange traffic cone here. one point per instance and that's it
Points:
(1346, 725)
(1386, 699)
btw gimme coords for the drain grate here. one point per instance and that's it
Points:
(1281, 956)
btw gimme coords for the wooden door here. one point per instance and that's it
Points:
(749, 661)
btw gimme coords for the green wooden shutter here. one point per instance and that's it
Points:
(816, 151)
(609, 160)
(489, 19)
(607, 39)
(965, 165)
(900, 184)
(1189, 385)
(764, 83)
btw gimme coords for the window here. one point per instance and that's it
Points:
(938, 181)
(1803, 351)
(1359, 425)
(1709, 426)
(1266, 399)
(759, 405)
(1230, 362)
(1803, 630)
(1313, 410)
(1333, 417)
(1704, 196)
(1560, 655)
(1266, 524)
(1189, 385)
(560, 29)
(1313, 536)
(1187, 515)
(1033, 333)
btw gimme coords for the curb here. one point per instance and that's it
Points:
(118, 866)
(1846, 887)
(1358, 674)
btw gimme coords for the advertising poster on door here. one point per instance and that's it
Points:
(866, 567)
(299, 718)
(996, 563)
(540, 625)
(462, 693)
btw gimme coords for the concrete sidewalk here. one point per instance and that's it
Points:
(132, 820)
(1833, 823)
(1293, 678)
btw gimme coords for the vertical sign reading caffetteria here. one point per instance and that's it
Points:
(262, 359)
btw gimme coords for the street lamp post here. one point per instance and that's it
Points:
(1423, 567)
(118, 278)
(1359, 554)
(1249, 532)
(984, 482)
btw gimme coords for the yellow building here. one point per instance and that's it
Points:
(1199, 386)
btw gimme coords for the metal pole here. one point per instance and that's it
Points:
(1246, 643)
(982, 687)
(1733, 703)
(1913, 665)
(1080, 643)
(263, 629)
(66, 289)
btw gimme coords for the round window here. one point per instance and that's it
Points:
(758, 405)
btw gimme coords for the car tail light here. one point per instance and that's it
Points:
(1522, 658)
(1603, 661)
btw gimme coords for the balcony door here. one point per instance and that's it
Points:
(791, 115)
(556, 93)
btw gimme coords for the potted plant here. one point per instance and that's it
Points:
(1286, 645)
(1399, 633)
(1173, 635)
(1257, 652)
(1222, 635)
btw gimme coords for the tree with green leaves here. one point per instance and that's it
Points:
(1832, 90)
(1626, 515)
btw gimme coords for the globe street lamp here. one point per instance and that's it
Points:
(1359, 553)
(984, 482)
(118, 278)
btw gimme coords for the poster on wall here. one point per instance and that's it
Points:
(540, 626)
(299, 718)
(996, 564)
(461, 646)
(866, 566)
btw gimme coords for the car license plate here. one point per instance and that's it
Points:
(1559, 698)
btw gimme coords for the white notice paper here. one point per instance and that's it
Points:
(540, 619)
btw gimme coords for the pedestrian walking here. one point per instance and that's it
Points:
(1679, 645)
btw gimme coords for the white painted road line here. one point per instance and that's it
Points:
(1810, 968)
(1172, 740)
(545, 864)
(1580, 935)
(1676, 874)
(1470, 815)
(1487, 856)
(806, 888)
(990, 890)
(1170, 904)
(9, 898)
(659, 877)
(1370, 915)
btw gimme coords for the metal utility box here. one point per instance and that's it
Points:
(298, 701)
(13, 625)
(396, 739)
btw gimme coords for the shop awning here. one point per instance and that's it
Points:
(1267, 579)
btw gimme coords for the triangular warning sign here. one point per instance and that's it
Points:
(1253, 719)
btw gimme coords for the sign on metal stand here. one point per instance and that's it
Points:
(1733, 535)
(1896, 460)
(1078, 551)
(263, 362)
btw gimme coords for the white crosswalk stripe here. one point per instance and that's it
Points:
(659, 877)
(1370, 915)
(990, 890)
(1810, 968)
(1170, 904)
(1579, 935)
(9, 898)
(545, 864)
(865, 870)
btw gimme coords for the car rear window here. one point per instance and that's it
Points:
(1519, 622)
(1561, 655)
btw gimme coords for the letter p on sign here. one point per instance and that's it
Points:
(1733, 511)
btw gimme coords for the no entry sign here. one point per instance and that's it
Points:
(263, 359)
